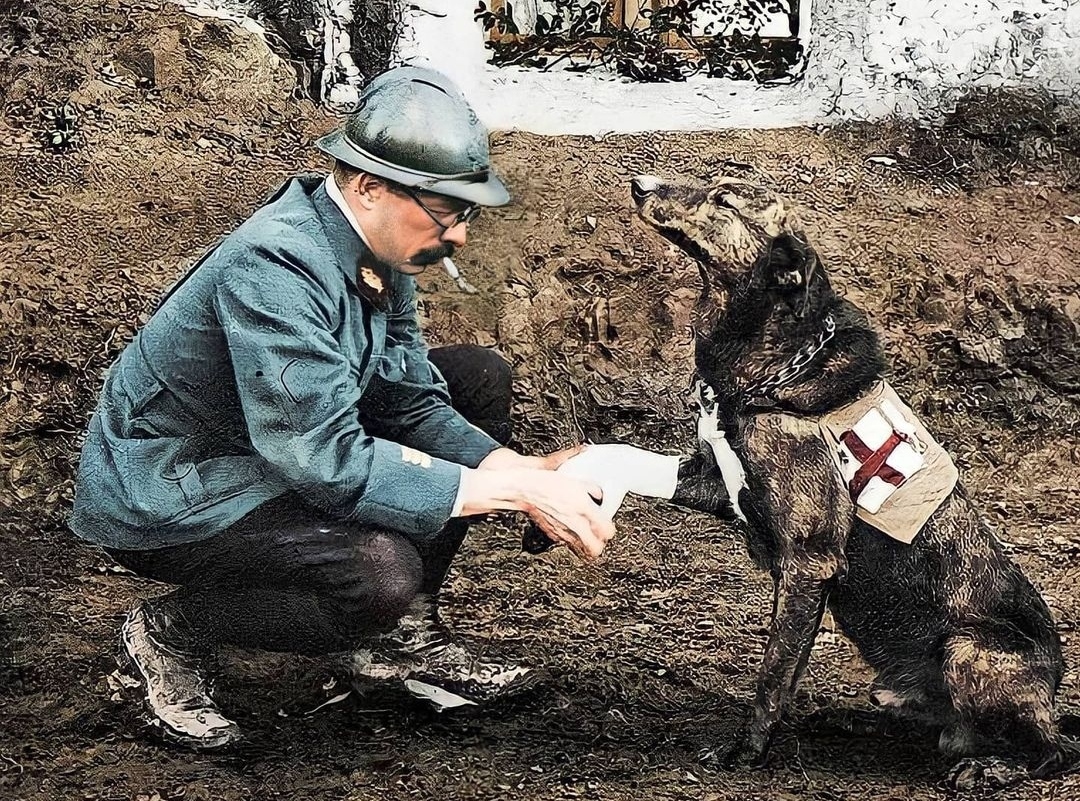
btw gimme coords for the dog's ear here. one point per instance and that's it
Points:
(790, 264)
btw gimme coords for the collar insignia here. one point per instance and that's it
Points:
(371, 280)
(372, 284)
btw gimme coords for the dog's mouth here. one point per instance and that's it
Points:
(692, 249)
(711, 269)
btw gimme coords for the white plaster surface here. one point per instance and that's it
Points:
(867, 59)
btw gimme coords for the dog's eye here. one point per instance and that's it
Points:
(725, 200)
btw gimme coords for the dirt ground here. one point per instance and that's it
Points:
(182, 127)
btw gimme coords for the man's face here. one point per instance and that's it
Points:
(411, 230)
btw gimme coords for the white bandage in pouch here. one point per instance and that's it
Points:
(622, 469)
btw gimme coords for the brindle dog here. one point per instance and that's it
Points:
(957, 634)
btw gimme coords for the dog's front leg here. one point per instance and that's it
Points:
(701, 485)
(798, 605)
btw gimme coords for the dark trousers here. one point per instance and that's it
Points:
(288, 578)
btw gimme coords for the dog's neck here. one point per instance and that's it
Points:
(799, 349)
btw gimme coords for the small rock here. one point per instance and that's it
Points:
(935, 310)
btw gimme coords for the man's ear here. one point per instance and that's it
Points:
(791, 263)
(369, 188)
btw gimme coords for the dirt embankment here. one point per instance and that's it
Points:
(181, 126)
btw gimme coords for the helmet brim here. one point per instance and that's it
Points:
(482, 188)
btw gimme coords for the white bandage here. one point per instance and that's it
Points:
(622, 469)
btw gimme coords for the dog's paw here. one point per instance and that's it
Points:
(1064, 758)
(700, 486)
(742, 751)
(984, 773)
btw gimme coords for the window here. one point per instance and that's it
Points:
(648, 40)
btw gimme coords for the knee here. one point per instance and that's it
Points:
(479, 381)
(495, 369)
(474, 366)
(396, 575)
(496, 392)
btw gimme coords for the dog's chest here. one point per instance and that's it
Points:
(773, 465)
(792, 488)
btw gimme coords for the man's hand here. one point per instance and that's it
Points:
(565, 509)
(568, 511)
(505, 458)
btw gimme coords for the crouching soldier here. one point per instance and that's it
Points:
(279, 443)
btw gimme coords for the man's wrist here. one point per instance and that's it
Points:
(506, 459)
(484, 490)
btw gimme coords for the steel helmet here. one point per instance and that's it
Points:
(414, 126)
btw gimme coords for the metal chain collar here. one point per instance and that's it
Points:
(797, 364)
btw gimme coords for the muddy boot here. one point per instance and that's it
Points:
(173, 684)
(422, 655)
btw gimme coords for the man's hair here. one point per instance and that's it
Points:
(343, 173)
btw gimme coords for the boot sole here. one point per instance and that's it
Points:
(442, 698)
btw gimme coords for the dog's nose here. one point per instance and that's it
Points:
(641, 186)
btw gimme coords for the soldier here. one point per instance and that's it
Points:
(279, 443)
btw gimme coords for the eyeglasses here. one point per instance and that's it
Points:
(447, 219)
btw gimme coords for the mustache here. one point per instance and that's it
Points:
(434, 255)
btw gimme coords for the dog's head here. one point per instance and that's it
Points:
(740, 233)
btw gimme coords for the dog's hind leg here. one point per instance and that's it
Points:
(1003, 697)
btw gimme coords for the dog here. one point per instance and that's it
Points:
(956, 633)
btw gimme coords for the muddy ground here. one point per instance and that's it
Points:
(963, 249)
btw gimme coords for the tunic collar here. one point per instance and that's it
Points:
(333, 191)
(372, 280)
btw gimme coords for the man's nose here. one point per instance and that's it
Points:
(456, 234)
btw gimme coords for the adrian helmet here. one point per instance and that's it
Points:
(414, 126)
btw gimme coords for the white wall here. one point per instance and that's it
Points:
(868, 58)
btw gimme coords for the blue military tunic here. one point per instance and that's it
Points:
(269, 369)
